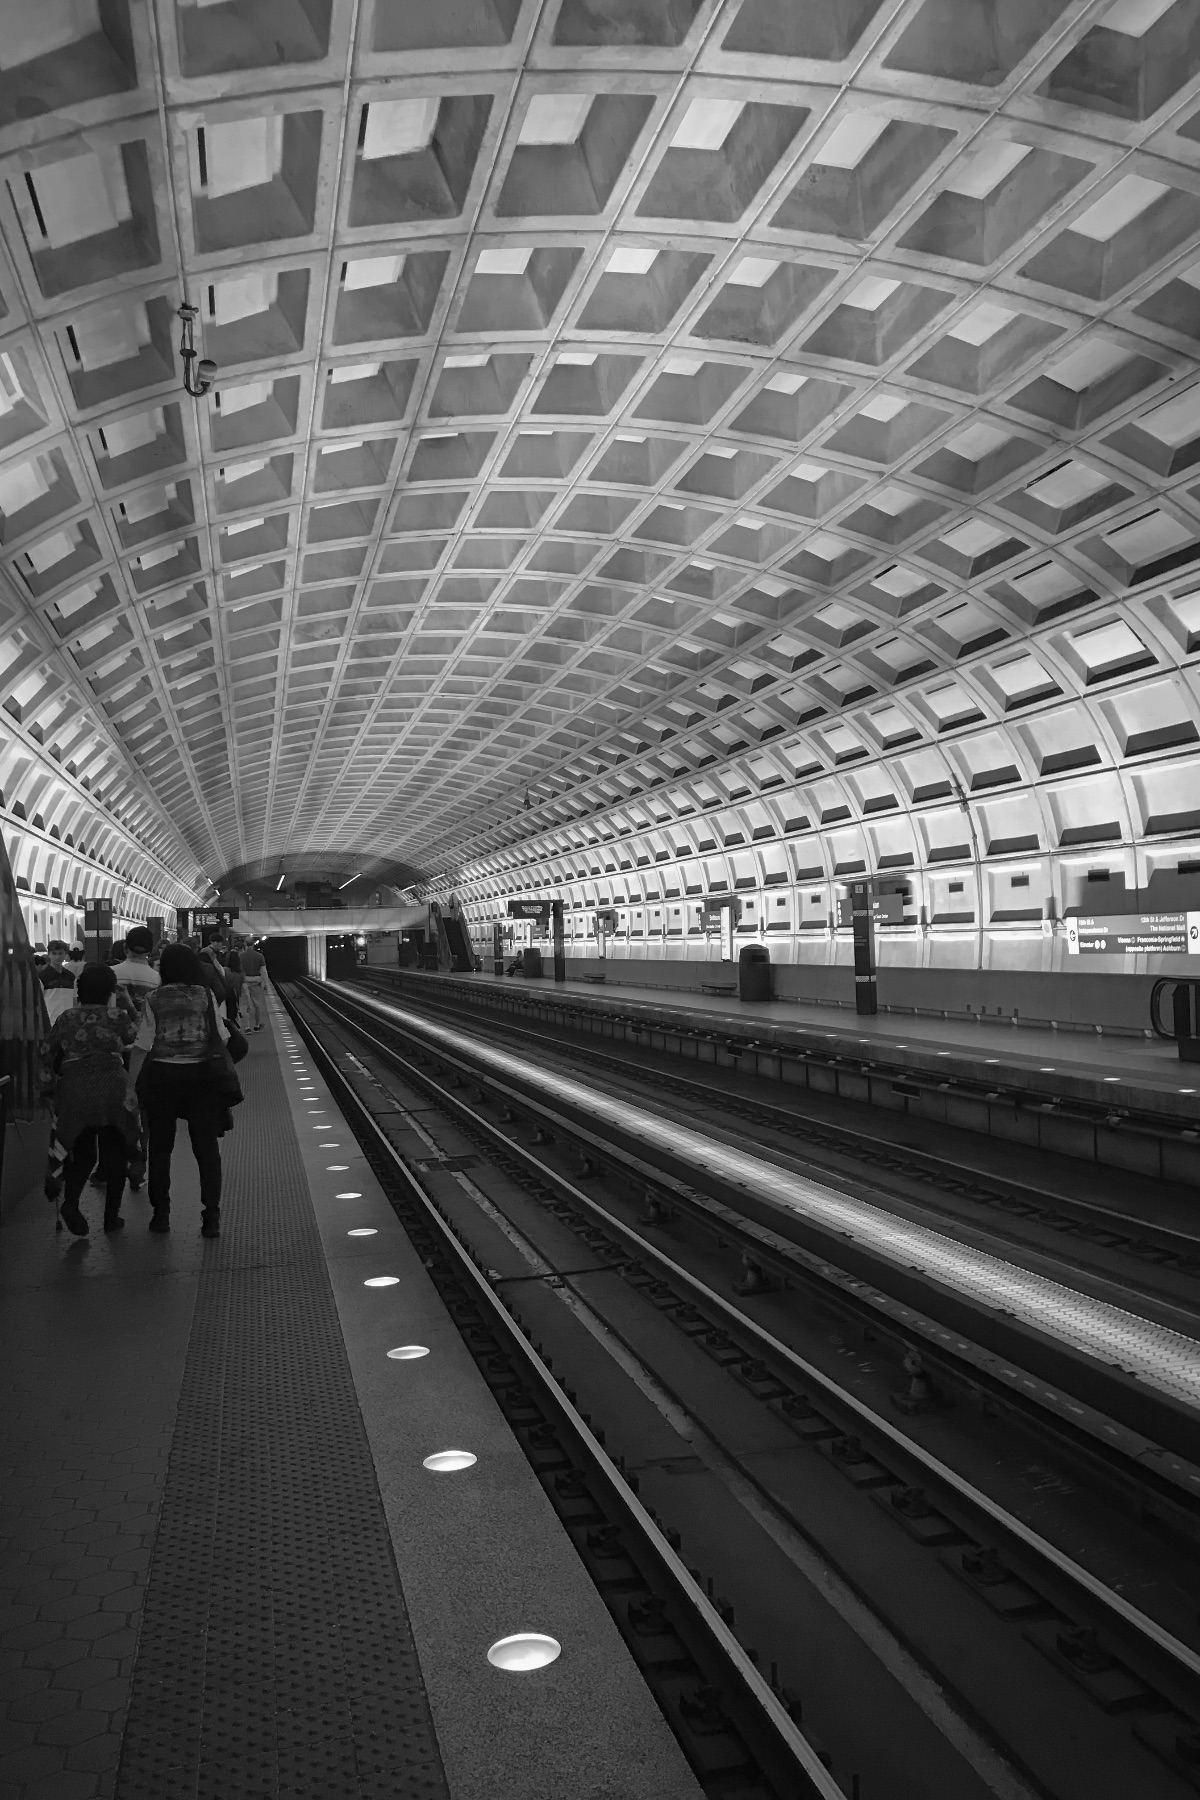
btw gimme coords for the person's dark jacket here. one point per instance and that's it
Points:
(213, 980)
(234, 979)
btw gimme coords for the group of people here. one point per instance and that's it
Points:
(136, 1045)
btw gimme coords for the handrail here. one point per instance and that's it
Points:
(1177, 981)
(1156, 1023)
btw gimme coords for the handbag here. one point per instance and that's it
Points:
(220, 1061)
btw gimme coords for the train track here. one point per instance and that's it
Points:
(741, 1733)
(997, 1201)
(1127, 1683)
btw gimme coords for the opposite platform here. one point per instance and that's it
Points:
(1150, 1066)
(1066, 1063)
(1129, 1105)
(228, 1572)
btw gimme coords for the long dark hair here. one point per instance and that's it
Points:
(180, 965)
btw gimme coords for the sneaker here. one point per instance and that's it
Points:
(114, 1224)
(160, 1221)
(74, 1220)
(210, 1229)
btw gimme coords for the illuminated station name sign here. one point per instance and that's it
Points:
(204, 918)
(1135, 934)
(538, 910)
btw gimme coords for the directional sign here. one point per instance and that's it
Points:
(886, 909)
(720, 912)
(1135, 934)
(530, 909)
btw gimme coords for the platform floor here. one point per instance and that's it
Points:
(226, 1571)
(1056, 1061)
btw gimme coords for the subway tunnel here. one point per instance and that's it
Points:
(659, 538)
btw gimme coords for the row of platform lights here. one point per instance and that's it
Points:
(523, 1650)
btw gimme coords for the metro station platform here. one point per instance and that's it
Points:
(227, 1571)
(977, 1075)
(1151, 1066)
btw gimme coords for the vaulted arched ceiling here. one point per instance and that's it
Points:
(615, 397)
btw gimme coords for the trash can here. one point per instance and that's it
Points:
(754, 973)
(531, 960)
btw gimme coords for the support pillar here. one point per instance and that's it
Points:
(866, 999)
(560, 948)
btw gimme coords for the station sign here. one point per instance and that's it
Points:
(716, 907)
(1135, 934)
(538, 910)
(886, 909)
(208, 918)
(221, 915)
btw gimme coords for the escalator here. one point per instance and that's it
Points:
(462, 956)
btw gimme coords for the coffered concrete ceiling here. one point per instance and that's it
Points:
(609, 390)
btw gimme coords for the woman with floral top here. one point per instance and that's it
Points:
(83, 1072)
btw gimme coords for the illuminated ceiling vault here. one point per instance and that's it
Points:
(609, 390)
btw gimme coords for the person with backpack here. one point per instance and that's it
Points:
(83, 1076)
(136, 978)
(181, 1068)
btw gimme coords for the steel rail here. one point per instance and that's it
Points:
(787, 1737)
(846, 1140)
(1128, 1619)
(1102, 1334)
(880, 1060)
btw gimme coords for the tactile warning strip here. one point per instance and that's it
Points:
(275, 1656)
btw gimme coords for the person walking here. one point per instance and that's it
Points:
(136, 978)
(57, 979)
(212, 972)
(253, 965)
(83, 1074)
(134, 972)
(235, 981)
(173, 1067)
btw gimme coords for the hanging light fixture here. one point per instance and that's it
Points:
(205, 367)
